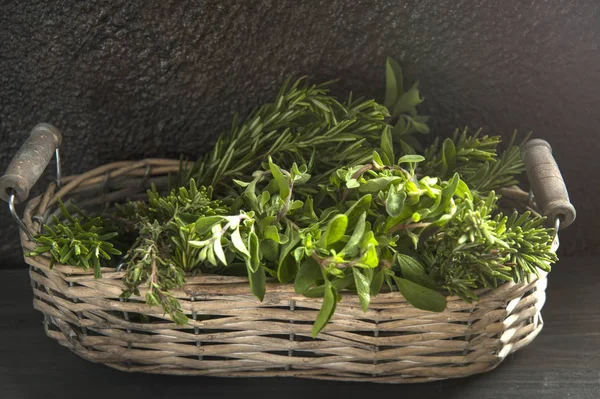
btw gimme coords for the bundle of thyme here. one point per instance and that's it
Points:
(329, 196)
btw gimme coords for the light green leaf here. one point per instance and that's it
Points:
(378, 184)
(238, 243)
(394, 204)
(360, 206)
(407, 103)
(352, 183)
(393, 82)
(218, 247)
(370, 257)
(293, 239)
(411, 158)
(363, 288)
(272, 233)
(352, 246)
(463, 191)
(387, 146)
(449, 155)
(327, 310)
(421, 297)
(282, 181)
(299, 253)
(335, 230)
(205, 224)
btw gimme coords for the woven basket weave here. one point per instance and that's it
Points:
(232, 334)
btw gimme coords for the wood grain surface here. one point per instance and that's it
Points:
(563, 361)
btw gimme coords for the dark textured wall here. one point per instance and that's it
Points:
(131, 79)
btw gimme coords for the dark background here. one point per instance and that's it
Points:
(134, 79)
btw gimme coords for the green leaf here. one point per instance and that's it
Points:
(253, 261)
(420, 297)
(363, 288)
(360, 206)
(411, 158)
(287, 269)
(414, 271)
(449, 156)
(238, 243)
(335, 230)
(327, 310)
(309, 273)
(387, 146)
(407, 103)
(293, 239)
(257, 280)
(205, 223)
(282, 181)
(352, 246)
(394, 204)
(417, 124)
(377, 283)
(463, 191)
(393, 82)
(218, 247)
(352, 183)
(370, 257)
(272, 233)
(270, 250)
(378, 184)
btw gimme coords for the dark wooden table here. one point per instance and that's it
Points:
(563, 361)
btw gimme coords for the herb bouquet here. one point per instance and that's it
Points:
(340, 202)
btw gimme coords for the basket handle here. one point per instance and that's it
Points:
(30, 162)
(547, 183)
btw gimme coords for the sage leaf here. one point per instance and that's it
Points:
(205, 224)
(254, 259)
(238, 243)
(393, 82)
(378, 184)
(335, 230)
(377, 283)
(218, 248)
(352, 246)
(307, 275)
(282, 181)
(287, 269)
(414, 271)
(257, 280)
(363, 288)
(448, 155)
(387, 146)
(327, 310)
(420, 297)
(394, 204)
(411, 158)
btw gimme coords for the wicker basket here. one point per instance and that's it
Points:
(232, 334)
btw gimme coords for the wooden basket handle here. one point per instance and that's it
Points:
(547, 184)
(30, 162)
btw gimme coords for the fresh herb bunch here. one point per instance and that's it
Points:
(332, 196)
(84, 241)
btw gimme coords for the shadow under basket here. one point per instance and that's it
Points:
(232, 334)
